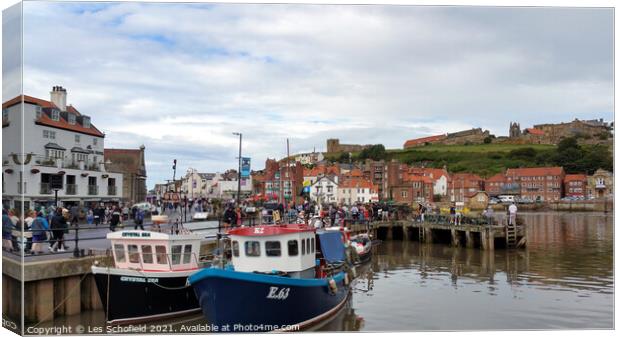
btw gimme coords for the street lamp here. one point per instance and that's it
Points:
(239, 172)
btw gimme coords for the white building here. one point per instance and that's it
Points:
(353, 191)
(324, 189)
(57, 141)
(309, 158)
(197, 185)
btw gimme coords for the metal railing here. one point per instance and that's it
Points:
(71, 189)
(111, 190)
(45, 189)
(93, 189)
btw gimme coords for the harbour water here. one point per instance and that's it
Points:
(563, 280)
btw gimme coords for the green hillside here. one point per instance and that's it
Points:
(489, 159)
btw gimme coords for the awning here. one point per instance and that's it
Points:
(332, 246)
(54, 146)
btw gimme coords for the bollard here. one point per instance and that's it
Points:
(76, 249)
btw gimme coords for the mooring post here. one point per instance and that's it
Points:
(484, 239)
(491, 237)
(469, 240)
(428, 235)
(455, 238)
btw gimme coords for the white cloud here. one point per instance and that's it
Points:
(180, 78)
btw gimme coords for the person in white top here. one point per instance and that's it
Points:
(512, 210)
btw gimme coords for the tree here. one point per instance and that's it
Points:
(568, 143)
(344, 157)
(488, 140)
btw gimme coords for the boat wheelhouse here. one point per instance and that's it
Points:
(289, 249)
(149, 278)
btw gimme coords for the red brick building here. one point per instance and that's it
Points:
(463, 186)
(494, 184)
(538, 183)
(575, 185)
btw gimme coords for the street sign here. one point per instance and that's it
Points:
(56, 182)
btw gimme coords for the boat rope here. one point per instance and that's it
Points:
(77, 286)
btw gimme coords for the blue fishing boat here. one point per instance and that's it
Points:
(282, 278)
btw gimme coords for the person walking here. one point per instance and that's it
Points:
(139, 219)
(452, 214)
(488, 214)
(512, 211)
(7, 231)
(115, 219)
(75, 215)
(39, 229)
(58, 227)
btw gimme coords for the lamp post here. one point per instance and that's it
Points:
(239, 172)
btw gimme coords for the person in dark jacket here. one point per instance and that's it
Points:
(58, 227)
(39, 229)
(230, 217)
(7, 229)
(116, 219)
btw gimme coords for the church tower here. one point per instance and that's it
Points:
(515, 130)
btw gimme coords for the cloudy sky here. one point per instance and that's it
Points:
(180, 78)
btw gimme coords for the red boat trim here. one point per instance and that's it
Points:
(152, 317)
(317, 319)
(270, 230)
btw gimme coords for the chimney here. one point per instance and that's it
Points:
(59, 97)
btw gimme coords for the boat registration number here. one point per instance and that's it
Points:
(278, 293)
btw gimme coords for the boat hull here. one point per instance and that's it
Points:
(143, 296)
(250, 302)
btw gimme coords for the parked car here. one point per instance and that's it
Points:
(507, 198)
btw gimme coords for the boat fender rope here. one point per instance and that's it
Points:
(333, 287)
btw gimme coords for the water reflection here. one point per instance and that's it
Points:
(563, 280)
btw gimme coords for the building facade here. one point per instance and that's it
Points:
(601, 184)
(131, 164)
(575, 185)
(59, 144)
(538, 183)
(324, 190)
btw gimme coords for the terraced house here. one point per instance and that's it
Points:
(60, 145)
(538, 183)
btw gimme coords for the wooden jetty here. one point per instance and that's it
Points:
(474, 234)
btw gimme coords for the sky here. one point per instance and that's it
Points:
(181, 78)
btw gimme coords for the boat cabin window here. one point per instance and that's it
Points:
(303, 247)
(187, 254)
(312, 244)
(308, 246)
(252, 248)
(272, 248)
(119, 252)
(176, 254)
(235, 248)
(134, 254)
(293, 248)
(147, 254)
(160, 251)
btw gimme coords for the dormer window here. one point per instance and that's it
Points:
(86, 121)
(55, 115)
(5, 115)
(71, 118)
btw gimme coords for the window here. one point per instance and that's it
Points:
(187, 254)
(235, 248)
(293, 248)
(403, 194)
(312, 245)
(176, 254)
(5, 114)
(119, 253)
(38, 110)
(147, 254)
(55, 115)
(86, 122)
(46, 134)
(308, 245)
(252, 248)
(134, 254)
(303, 247)
(160, 252)
(272, 248)
(71, 118)
(95, 140)
(52, 134)
(77, 138)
